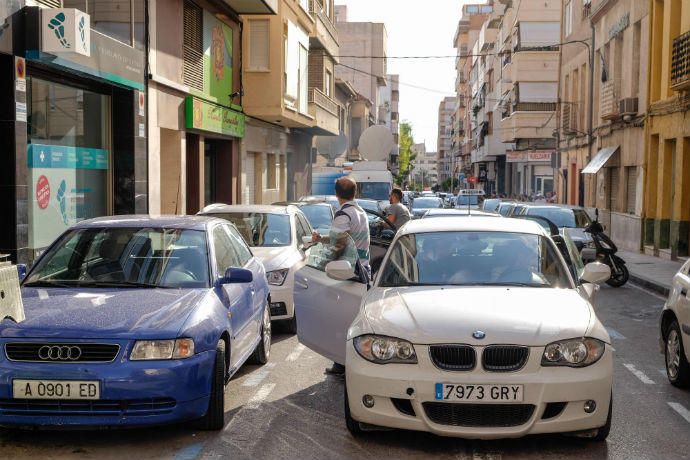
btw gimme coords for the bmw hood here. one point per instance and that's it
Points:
(99, 313)
(277, 258)
(524, 316)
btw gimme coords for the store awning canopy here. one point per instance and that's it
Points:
(600, 159)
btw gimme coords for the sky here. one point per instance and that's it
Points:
(417, 28)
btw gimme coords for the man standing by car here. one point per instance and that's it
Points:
(397, 214)
(350, 219)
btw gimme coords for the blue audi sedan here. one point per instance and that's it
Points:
(134, 320)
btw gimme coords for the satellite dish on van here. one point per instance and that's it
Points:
(376, 143)
(332, 146)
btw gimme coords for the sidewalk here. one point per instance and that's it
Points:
(649, 272)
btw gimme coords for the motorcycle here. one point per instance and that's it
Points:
(605, 252)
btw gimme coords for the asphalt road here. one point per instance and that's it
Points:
(290, 409)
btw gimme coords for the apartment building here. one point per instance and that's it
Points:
(423, 168)
(667, 182)
(607, 173)
(471, 21)
(528, 42)
(389, 115)
(446, 114)
(289, 95)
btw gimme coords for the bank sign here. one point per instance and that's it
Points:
(206, 116)
(65, 31)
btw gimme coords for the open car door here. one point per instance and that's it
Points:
(328, 297)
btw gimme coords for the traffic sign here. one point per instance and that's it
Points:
(472, 180)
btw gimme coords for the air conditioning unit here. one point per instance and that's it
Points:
(628, 106)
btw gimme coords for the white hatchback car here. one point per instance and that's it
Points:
(675, 329)
(473, 328)
(275, 235)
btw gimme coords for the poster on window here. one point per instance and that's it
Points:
(217, 59)
(68, 185)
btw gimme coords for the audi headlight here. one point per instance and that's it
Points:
(385, 350)
(277, 277)
(147, 350)
(573, 353)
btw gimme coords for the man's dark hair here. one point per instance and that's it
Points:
(398, 193)
(345, 188)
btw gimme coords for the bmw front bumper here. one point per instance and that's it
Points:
(397, 388)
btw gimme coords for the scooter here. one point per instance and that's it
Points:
(606, 253)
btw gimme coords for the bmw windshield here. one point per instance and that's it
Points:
(474, 259)
(124, 257)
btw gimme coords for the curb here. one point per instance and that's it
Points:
(651, 285)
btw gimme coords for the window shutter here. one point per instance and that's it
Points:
(613, 188)
(259, 46)
(50, 3)
(193, 65)
(631, 174)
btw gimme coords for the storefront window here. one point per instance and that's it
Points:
(68, 158)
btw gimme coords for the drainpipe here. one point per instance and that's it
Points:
(590, 111)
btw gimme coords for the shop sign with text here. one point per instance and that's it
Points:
(206, 116)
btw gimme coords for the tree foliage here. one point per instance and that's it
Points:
(405, 157)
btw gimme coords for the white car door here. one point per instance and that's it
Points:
(682, 284)
(326, 307)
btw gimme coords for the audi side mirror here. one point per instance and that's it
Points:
(235, 276)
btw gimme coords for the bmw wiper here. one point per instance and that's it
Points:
(534, 285)
(52, 283)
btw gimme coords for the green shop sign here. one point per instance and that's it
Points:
(206, 116)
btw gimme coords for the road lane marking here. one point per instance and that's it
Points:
(682, 411)
(189, 452)
(639, 374)
(646, 291)
(258, 376)
(260, 396)
(615, 334)
(294, 356)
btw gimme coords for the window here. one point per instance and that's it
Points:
(261, 230)
(193, 44)
(259, 46)
(303, 79)
(226, 256)
(303, 228)
(328, 83)
(243, 252)
(568, 18)
(613, 188)
(631, 188)
(635, 76)
(271, 171)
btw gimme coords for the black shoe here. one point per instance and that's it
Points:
(336, 369)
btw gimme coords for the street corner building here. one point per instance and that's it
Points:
(72, 79)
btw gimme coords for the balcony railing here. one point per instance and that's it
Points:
(610, 94)
(316, 9)
(680, 63)
(316, 96)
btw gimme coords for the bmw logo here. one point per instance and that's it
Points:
(478, 335)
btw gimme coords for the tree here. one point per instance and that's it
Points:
(405, 157)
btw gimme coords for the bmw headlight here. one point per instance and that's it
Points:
(148, 350)
(573, 352)
(385, 350)
(277, 277)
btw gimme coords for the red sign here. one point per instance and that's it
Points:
(43, 192)
(472, 180)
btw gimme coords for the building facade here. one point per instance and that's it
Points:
(446, 115)
(73, 125)
(667, 182)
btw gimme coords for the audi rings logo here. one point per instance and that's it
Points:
(59, 353)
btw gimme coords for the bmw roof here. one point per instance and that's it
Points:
(478, 224)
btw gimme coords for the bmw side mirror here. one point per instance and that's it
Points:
(341, 270)
(596, 273)
(22, 270)
(235, 276)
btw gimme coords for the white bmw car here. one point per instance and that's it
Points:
(473, 328)
(675, 329)
(275, 235)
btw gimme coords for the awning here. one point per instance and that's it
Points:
(600, 160)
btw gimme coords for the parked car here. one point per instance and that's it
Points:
(537, 361)
(491, 204)
(675, 329)
(505, 208)
(422, 204)
(319, 213)
(563, 216)
(274, 234)
(134, 320)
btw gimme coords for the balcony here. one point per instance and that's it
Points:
(532, 67)
(680, 63)
(528, 125)
(609, 107)
(325, 111)
(253, 6)
(325, 33)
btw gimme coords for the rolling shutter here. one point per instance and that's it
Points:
(249, 182)
(613, 188)
(631, 199)
(259, 47)
(50, 3)
(193, 54)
